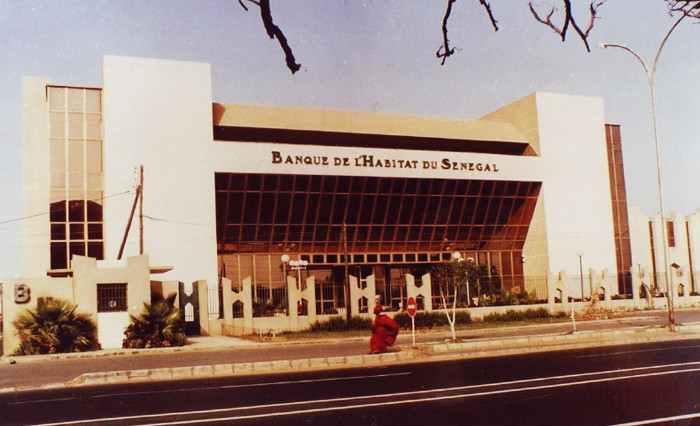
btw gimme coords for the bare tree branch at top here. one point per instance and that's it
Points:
(569, 19)
(445, 51)
(273, 31)
(690, 8)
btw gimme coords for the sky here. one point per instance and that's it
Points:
(373, 55)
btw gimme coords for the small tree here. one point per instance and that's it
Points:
(452, 279)
(449, 276)
(55, 327)
(158, 325)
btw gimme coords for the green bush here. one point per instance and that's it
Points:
(54, 327)
(158, 325)
(512, 315)
(431, 319)
(340, 324)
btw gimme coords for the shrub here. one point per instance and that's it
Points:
(54, 327)
(158, 325)
(431, 319)
(340, 324)
(513, 315)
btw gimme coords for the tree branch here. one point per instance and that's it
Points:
(444, 51)
(493, 20)
(569, 19)
(273, 31)
(690, 8)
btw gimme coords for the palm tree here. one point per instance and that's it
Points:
(158, 325)
(55, 327)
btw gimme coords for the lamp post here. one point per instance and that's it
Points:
(580, 272)
(457, 256)
(651, 75)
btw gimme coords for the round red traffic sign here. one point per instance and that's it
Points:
(411, 307)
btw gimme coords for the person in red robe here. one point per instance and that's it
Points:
(384, 332)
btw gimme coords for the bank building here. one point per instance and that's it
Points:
(246, 211)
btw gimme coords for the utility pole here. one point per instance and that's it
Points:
(138, 199)
(141, 209)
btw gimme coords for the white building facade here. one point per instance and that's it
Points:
(368, 201)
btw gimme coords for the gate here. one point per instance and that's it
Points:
(189, 307)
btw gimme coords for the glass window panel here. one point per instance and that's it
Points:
(301, 183)
(250, 213)
(295, 233)
(57, 98)
(58, 231)
(353, 208)
(76, 180)
(286, 183)
(406, 210)
(75, 126)
(401, 233)
(93, 127)
(270, 182)
(93, 100)
(75, 156)
(94, 231)
(411, 186)
(315, 184)
(247, 233)
(58, 210)
(57, 155)
(444, 210)
(324, 212)
(474, 187)
(424, 187)
(77, 249)
(76, 211)
(57, 124)
(59, 253)
(95, 250)
(339, 208)
(265, 233)
(235, 207)
(321, 233)
(357, 185)
(298, 207)
(75, 99)
(371, 185)
(254, 182)
(420, 204)
(366, 209)
(94, 210)
(393, 209)
(380, 209)
(94, 181)
(93, 150)
(329, 183)
(267, 211)
(312, 208)
(343, 184)
(58, 180)
(77, 231)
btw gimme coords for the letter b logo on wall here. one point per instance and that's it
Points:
(22, 293)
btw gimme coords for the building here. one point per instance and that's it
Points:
(281, 205)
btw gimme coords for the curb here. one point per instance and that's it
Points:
(443, 351)
(222, 370)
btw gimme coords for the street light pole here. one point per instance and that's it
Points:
(651, 75)
(580, 271)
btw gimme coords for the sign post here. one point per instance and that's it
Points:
(411, 311)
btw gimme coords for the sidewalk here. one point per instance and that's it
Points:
(470, 344)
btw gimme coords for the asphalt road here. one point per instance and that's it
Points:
(37, 371)
(655, 382)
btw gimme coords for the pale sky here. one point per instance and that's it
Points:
(374, 55)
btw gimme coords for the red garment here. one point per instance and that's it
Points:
(384, 333)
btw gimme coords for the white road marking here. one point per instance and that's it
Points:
(642, 372)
